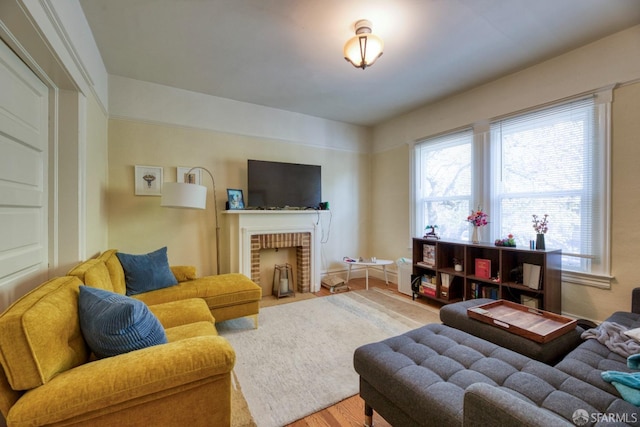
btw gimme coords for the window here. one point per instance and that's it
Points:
(444, 185)
(551, 161)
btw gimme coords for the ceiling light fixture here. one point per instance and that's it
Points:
(364, 48)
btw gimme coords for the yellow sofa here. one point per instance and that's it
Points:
(50, 377)
(229, 296)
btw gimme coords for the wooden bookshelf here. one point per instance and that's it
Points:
(500, 273)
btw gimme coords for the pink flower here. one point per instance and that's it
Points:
(478, 218)
(541, 225)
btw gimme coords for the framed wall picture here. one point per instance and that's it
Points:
(193, 177)
(148, 181)
(235, 199)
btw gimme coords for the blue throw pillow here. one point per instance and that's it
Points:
(148, 272)
(113, 324)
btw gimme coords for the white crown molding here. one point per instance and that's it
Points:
(67, 33)
(137, 100)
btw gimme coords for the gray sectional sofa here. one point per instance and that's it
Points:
(438, 375)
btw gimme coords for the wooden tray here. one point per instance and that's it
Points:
(537, 325)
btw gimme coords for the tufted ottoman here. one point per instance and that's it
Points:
(455, 315)
(440, 376)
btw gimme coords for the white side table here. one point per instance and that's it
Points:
(379, 262)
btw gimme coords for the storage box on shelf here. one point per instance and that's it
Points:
(486, 271)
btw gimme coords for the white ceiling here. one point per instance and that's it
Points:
(287, 54)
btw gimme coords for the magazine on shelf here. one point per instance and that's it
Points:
(531, 275)
(429, 255)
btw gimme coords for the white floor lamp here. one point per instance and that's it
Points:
(192, 196)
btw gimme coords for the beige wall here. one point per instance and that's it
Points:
(391, 237)
(96, 173)
(615, 59)
(138, 224)
(625, 229)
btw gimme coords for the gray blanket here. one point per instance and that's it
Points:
(612, 335)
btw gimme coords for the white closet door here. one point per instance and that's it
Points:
(23, 177)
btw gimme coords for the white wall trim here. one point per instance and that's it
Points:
(82, 175)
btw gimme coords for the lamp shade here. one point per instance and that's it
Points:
(183, 195)
(364, 48)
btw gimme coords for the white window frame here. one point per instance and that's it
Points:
(482, 191)
(416, 200)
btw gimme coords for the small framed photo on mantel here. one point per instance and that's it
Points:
(235, 199)
(148, 181)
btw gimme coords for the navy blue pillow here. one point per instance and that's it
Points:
(113, 324)
(148, 272)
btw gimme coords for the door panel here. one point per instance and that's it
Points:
(23, 178)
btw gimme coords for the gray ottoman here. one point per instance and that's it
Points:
(440, 376)
(455, 315)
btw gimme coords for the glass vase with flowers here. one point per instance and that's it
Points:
(477, 219)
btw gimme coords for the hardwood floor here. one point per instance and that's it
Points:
(349, 412)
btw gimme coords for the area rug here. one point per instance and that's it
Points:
(300, 359)
(270, 300)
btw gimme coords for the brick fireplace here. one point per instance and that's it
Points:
(300, 241)
(246, 233)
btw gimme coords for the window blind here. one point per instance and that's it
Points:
(547, 162)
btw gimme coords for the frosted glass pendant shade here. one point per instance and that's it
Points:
(364, 48)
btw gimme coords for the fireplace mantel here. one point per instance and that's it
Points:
(240, 225)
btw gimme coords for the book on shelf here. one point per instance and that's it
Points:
(490, 292)
(428, 286)
(479, 290)
(424, 264)
(483, 268)
(474, 290)
(445, 279)
(429, 255)
(531, 275)
(445, 282)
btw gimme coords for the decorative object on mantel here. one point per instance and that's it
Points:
(478, 219)
(148, 180)
(364, 48)
(235, 199)
(432, 233)
(541, 225)
(508, 241)
(192, 196)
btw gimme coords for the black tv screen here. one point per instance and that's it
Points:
(280, 185)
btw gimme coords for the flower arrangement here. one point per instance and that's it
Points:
(509, 241)
(541, 225)
(478, 218)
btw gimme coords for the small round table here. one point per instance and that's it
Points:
(379, 262)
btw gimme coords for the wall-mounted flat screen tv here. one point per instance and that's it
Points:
(280, 185)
